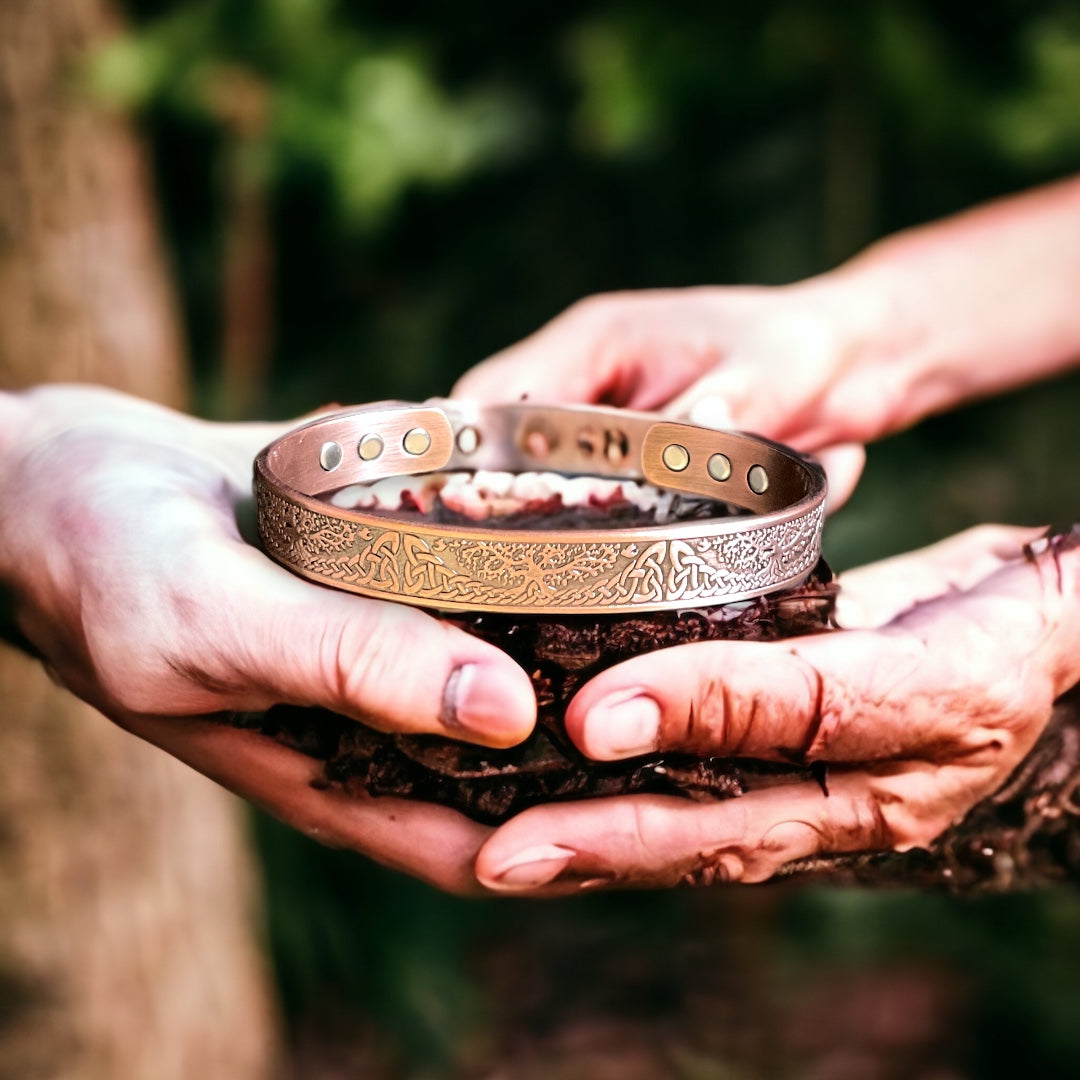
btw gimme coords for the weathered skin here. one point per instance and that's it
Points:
(920, 711)
(560, 655)
(963, 667)
(900, 734)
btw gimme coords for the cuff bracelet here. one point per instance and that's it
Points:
(773, 544)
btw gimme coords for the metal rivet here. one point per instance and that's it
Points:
(757, 479)
(588, 442)
(616, 445)
(468, 440)
(720, 467)
(369, 447)
(330, 456)
(417, 441)
(676, 457)
(538, 443)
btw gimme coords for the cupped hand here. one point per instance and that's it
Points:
(120, 542)
(923, 707)
(789, 363)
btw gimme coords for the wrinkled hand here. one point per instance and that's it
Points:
(120, 542)
(788, 363)
(925, 706)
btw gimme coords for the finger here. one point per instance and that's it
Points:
(875, 594)
(723, 399)
(536, 370)
(776, 380)
(657, 841)
(843, 465)
(431, 842)
(850, 696)
(634, 349)
(277, 638)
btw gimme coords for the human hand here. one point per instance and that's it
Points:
(922, 708)
(789, 363)
(120, 543)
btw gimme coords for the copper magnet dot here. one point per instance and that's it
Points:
(417, 441)
(588, 442)
(720, 467)
(539, 439)
(757, 480)
(330, 456)
(468, 440)
(616, 445)
(676, 457)
(369, 447)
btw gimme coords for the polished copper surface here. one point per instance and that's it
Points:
(643, 568)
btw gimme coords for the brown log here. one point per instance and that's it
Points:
(127, 893)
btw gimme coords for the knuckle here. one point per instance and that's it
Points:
(708, 721)
(590, 309)
(891, 820)
(985, 533)
(641, 828)
(874, 819)
(824, 707)
(364, 664)
(1008, 712)
(353, 660)
(605, 320)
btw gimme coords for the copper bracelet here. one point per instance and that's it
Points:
(642, 568)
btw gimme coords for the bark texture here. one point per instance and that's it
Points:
(127, 903)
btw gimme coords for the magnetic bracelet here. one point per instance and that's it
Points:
(637, 568)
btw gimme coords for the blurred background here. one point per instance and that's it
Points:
(360, 201)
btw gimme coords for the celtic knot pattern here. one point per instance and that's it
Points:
(434, 567)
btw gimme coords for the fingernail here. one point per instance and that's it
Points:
(482, 698)
(621, 725)
(533, 867)
(712, 412)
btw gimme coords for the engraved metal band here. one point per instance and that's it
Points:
(645, 568)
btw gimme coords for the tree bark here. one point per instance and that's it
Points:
(128, 908)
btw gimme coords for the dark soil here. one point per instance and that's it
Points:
(560, 654)
(1027, 833)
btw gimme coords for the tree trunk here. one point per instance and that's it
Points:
(128, 911)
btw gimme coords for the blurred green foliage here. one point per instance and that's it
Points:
(367, 113)
(442, 178)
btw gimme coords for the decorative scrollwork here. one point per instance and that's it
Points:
(426, 566)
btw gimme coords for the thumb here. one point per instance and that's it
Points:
(393, 667)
